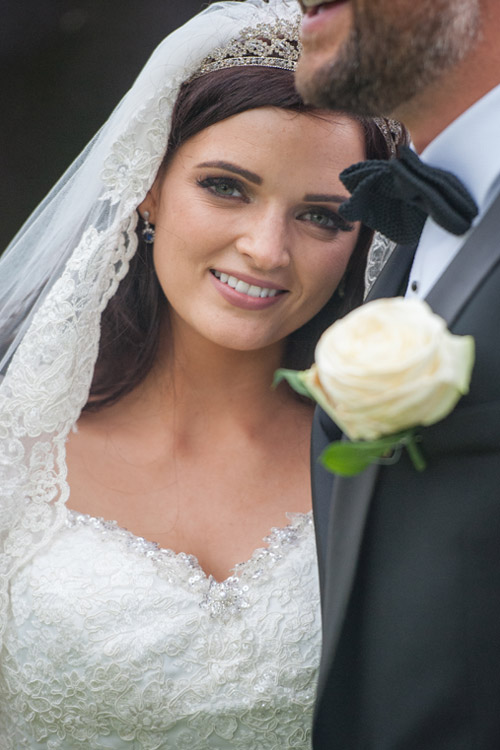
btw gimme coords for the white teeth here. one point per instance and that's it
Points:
(242, 287)
(252, 290)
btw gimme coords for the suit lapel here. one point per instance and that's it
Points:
(350, 503)
(351, 497)
(472, 264)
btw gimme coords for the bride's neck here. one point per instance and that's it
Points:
(204, 378)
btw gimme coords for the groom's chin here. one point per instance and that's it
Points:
(324, 36)
(314, 82)
(332, 84)
(311, 79)
(319, 70)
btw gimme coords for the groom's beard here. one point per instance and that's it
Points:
(390, 56)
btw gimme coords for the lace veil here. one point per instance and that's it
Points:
(378, 255)
(64, 265)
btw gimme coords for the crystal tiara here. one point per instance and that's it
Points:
(270, 45)
(277, 45)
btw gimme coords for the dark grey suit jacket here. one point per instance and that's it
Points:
(410, 562)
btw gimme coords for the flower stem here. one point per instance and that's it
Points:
(415, 453)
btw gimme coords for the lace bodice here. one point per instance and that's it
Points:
(113, 642)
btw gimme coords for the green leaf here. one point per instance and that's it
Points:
(294, 380)
(339, 458)
(349, 459)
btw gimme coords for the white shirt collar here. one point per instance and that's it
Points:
(470, 147)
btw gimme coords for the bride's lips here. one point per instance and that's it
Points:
(317, 13)
(251, 294)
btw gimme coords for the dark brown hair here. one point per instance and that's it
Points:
(131, 323)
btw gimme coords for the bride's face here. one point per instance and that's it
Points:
(249, 245)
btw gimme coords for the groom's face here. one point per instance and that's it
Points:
(373, 56)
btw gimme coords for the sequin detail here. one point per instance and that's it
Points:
(112, 643)
(224, 599)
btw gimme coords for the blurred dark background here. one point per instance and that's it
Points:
(64, 65)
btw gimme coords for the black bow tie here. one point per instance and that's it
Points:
(395, 197)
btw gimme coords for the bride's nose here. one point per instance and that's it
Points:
(266, 241)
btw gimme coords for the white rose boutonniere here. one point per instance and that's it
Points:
(386, 368)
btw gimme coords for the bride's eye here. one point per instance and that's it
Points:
(225, 187)
(323, 218)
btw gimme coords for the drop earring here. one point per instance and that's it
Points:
(148, 232)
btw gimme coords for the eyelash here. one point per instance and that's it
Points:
(212, 183)
(336, 222)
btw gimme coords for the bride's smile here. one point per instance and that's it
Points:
(247, 293)
(247, 228)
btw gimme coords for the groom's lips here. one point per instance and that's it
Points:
(317, 14)
(314, 7)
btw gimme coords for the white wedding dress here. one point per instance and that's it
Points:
(113, 642)
(106, 641)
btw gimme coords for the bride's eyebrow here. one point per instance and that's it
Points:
(323, 198)
(250, 176)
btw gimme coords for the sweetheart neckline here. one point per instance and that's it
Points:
(221, 598)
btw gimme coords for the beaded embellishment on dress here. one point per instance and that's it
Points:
(115, 643)
(220, 599)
